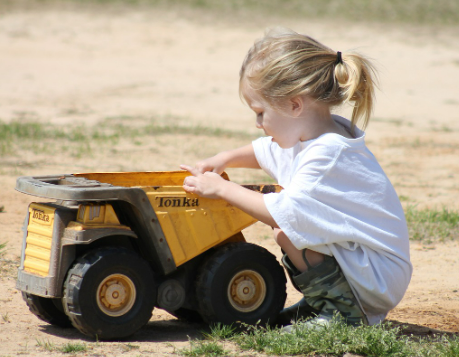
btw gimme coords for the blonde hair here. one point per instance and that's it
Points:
(284, 65)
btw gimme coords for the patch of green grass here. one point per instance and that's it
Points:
(66, 348)
(36, 131)
(80, 140)
(447, 347)
(21, 130)
(30, 135)
(73, 347)
(336, 340)
(155, 129)
(203, 348)
(432, 225)
(48, 346)
(221, 331)
(121, 127)
(2, 248)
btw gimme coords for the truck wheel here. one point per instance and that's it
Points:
(241, 282)
(109, 293)
(49, 310)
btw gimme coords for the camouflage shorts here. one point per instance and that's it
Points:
(326, 290)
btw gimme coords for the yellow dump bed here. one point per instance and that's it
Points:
(191, 224)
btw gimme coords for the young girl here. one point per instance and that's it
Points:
(338, 219)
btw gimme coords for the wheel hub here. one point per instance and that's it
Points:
(246, 291)
(116, 295)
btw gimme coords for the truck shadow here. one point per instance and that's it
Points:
(172, 330)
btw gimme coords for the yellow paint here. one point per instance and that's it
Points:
(94, 215)
(39, 239)
(193, 224)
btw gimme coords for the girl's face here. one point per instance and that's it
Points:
(281, 124)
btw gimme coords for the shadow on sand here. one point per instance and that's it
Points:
(420, 331)
(154, 331)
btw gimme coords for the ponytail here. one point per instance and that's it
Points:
(355, 77)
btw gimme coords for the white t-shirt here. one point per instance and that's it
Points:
(338, 201)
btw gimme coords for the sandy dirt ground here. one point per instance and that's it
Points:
(66, 65)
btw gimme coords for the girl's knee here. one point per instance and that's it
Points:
(301, 258)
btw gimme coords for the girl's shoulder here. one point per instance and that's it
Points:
(333, 141)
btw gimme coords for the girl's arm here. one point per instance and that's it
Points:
(212, 185)
(243, 157)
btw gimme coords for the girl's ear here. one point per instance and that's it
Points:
(296, 106)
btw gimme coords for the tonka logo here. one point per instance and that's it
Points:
(40, 215)
(177, 202)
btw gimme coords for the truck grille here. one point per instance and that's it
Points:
(39, 239)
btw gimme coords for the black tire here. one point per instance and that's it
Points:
(241, 282)
(49, 310)
(123, 274)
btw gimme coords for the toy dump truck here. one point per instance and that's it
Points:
(112, 246)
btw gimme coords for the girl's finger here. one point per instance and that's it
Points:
(192, 170)
(190, 189)
(189, 181)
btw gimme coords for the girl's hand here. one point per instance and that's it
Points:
(212, 185)
(207, 184)
(241, 157)
(212, 164)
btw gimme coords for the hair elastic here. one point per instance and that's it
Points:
(338, 58)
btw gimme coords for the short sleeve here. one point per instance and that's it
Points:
(275, 161)
(265, 155)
